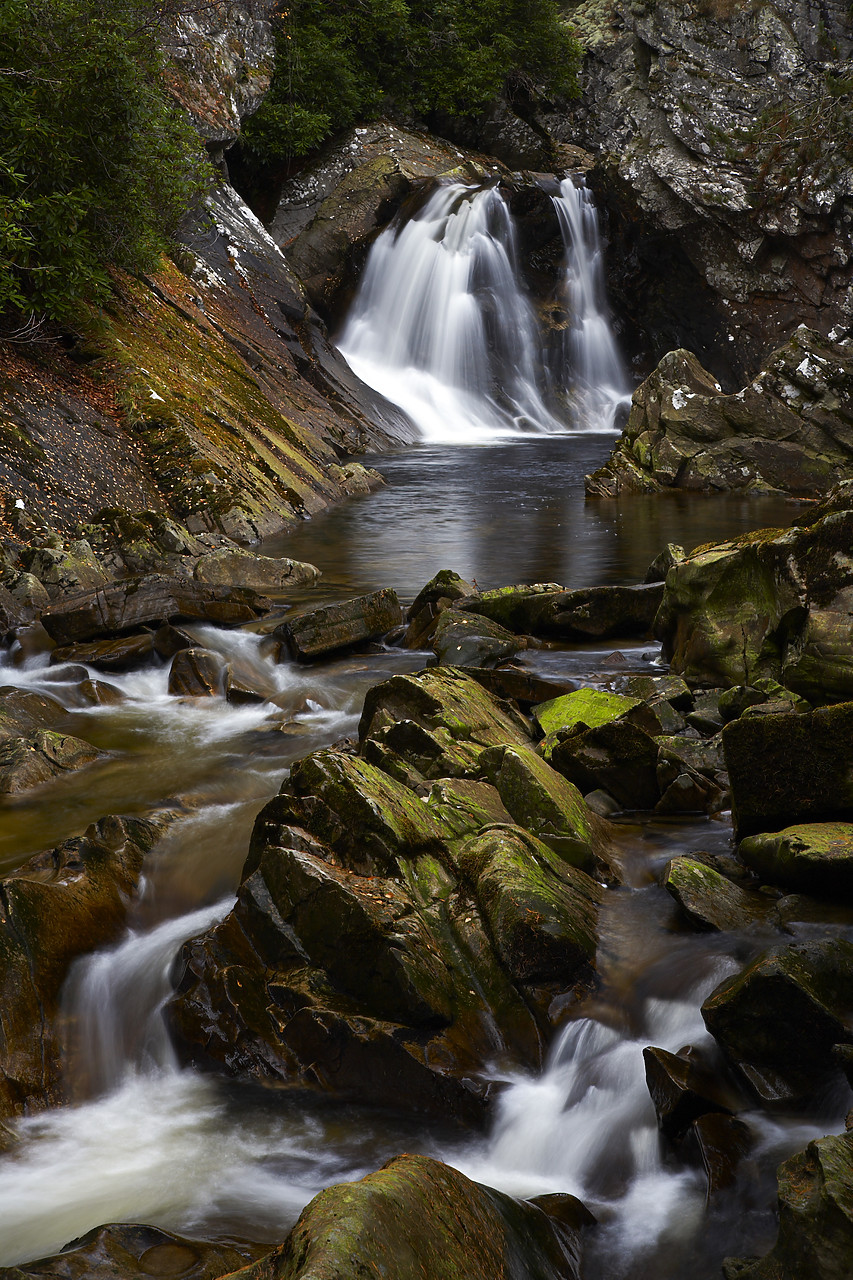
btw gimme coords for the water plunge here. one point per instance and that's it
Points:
(442, 325)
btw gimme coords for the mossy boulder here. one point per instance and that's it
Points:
(779, 1019)
(712, 901)
(618, 757)
(788, 769)
(813, 857)
(438, 594)
(65, 571)
(416, 1217)
(436, 724)
(235, 567)
(589, 613)
(590, 707)
(465, 640)
(815, 1200)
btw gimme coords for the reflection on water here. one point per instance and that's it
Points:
(511, 512)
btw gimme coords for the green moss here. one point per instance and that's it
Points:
(592, 707)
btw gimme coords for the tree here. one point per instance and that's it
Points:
(96, 164)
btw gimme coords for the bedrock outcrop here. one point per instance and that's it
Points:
(789, 430)
(722, 131)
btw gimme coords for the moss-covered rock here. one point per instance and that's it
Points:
(712, 901)
(779, 1019)
(465, 640)
(416, 1217)
(814, 858)
(438, 594)
(586, 614)
(590, 707)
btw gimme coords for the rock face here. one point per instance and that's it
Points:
(722, 132)
(406, 916)
(221, 60)
(789, 430)
(416, 1217)
(59, 905)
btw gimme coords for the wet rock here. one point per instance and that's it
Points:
(438, 594)
(778, 1019)
(23, 712)
(710, 900)
(136, 1253)
(789, 430)
(197, 673)
(234, 567)
(26, 762)
(790, 769)
(541, 911)
(722, 1142)
(815, 1217)
(591, 708)
(338, 626)
(653, 689)
(417, 1217)
(735, 701)
(465, 805)
(672, 554)
(124, 654)
(148, 602)
(544, 803)
(682, 1090)
(60, 904)
(814, 858)
(170, 640)
(97, 693)
(619, 758)
(464, 640)
(436, 724)
(593, 613)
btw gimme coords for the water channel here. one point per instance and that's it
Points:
(144, 1140)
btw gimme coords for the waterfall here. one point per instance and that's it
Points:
(592, 366)
(442, 326)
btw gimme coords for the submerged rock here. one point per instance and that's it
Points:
(416, 1217)
(27, 762)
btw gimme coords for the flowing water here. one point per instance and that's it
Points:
(145, 1140)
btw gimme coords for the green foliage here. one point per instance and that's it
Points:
(96, 165)
(342, 60)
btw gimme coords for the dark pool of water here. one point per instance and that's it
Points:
(512, 511)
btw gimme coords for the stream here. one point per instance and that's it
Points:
(146, 1141)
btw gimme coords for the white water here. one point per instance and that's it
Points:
(591, 360)
(441, 324)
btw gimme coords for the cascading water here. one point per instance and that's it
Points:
(441, 324)
(590, 362)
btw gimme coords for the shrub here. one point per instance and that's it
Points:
(96, 164)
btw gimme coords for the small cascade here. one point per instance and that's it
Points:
(442, 327)
(593, 369)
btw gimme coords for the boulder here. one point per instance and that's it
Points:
(815, 1199)
(515, 683)
(438, 594)
(789, 769)
(339, 626)
(26, 762)
(618, 757)
(683, 1089)
(148, 601)
(778, 1020)
(722, 1142)
(416, 1217)
(711, 900)
(591, 613)
(589, 707)
(23, 712)
(60, 904)
(270, 575)
(464, 640)
(197, 673)
(65, 572)
(435, 724)
(813, 857)
(789, 430)
(134, 1252)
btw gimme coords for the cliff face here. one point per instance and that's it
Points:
(723, 130)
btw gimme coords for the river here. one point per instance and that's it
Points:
(144, 1140)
